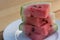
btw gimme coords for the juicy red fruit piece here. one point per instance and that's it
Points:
(47, 20)
(33, 21)
(42, 30)
(38, 21)
(40, 10)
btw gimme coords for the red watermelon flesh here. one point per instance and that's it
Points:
(33, 21)
(27, 12)
(37, 10)
(35, 36)
(38, 21)
(42, 30)
(51, 31)
(37, 33)
(47, 20)
(40, 10)
(42, 33)
(27, 29)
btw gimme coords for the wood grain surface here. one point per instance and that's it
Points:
(10, 11)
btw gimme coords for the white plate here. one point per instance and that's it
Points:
(11, 32)
(19, 35)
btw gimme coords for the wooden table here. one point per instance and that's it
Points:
(13, 13)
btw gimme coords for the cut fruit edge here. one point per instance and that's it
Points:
(27, 4)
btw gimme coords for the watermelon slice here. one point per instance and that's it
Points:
(40, 11)
(37, 12)
(38, 29)
(42, 30)
(38, 21)
(26, 10)
(38, 33)
(47, 20)
(45, 32)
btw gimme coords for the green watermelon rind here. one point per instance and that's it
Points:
(21, 26)
(55, 27)
(27, 4)
(21, 13)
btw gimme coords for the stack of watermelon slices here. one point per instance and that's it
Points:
(37, 21)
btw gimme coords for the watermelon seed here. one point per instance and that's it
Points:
(32, 11)
(29, 34)
(39, 6)
(31, 16)
(33, 25)
(46, 21)
(33, 29)
(34, 6)
(50, 25)
(43, 20)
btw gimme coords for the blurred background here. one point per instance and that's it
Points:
(10, 11)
